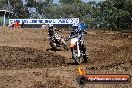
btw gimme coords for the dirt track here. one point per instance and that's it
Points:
(26, 59)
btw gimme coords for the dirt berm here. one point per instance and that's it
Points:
(23, 57)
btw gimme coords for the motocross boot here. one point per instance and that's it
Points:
(72, 56)
(85, 56)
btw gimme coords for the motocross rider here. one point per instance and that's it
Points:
(53, 34)
(78, 31)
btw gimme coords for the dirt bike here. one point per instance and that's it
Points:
(77, 53)
(57, 41)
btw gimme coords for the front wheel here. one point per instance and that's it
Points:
(53, 45)
(65, 47)
(76, 58)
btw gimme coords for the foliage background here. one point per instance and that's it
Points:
(109, 14)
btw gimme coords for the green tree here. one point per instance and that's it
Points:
(69, 1)
(20, 11)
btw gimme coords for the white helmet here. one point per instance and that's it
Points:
(74, 24)
(50, 25)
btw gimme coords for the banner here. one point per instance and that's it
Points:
(46, 21)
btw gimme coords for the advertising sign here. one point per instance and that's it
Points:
(46, 21)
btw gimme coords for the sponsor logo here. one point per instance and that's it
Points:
(84, 78)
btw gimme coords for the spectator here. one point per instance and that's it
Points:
(10, 26)
(22, 25)
(17, 24)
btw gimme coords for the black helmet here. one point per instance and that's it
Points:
(75, 27)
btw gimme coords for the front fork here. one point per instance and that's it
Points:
(77, 51)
